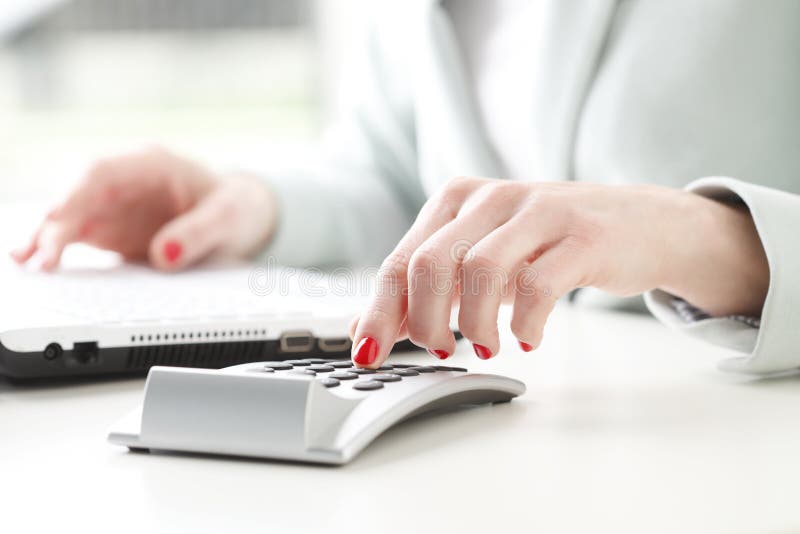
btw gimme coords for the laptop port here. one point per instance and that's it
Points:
(85, 352)
(52, 351)
(334, 344)
(298, 341)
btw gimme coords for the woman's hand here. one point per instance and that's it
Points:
(479, 241)
(154, 204)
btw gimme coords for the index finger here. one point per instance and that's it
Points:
(380, 323)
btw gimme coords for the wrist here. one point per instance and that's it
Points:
(719, 263)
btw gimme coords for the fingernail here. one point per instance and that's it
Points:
(366, 351)
(172, 251)
(525, 346)
(441, 354)
(482, 352)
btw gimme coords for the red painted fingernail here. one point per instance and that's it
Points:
(366, 351)
(172, 251)
(441, 354)
(482, 352)
(527, 347)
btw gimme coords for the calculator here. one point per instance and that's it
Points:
(309, 410)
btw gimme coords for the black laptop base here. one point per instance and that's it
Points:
(86, 359)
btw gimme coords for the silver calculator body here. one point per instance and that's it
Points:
(311, 410)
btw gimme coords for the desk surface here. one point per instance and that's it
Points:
(626, 426)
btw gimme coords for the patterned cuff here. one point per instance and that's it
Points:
(691, 314)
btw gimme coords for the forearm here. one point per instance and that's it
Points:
(719, 263)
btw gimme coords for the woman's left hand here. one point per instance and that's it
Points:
(478, 241)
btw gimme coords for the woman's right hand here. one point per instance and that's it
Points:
(156, 205)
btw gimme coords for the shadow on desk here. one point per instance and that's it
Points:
(422, 433)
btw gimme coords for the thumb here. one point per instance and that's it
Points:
(193, 235)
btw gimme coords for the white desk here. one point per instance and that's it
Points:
(626, 427)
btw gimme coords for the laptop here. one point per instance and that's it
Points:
(99, 316)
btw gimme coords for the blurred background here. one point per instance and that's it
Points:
(235, 83)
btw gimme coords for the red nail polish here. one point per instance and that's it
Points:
(441, 354)
(172, 251)
(366, 351)
(527, 347)
(482, 352)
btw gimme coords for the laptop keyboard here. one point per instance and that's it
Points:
(138, 294)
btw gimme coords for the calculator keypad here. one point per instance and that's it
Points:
(331, 373)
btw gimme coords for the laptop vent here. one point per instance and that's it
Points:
(208, 355)
(207, 335)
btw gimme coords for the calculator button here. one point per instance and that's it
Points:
(423, 369)
(386, 377)
(302, 372)
(317, 360)
(368, 385)
(344, 364)
(403, 365)
(343, 375)
(321, 368)
(447, 368)
(278, 366)
(405, 372)
(299, 363)
(385, 368)
(329, 382)
(360, 371)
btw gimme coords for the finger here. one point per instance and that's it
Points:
(538, 287)
(401, 334)
(24, 253)
(381, 320)
(434, 270)
(194, 235)
(54, 237)
(487, 270)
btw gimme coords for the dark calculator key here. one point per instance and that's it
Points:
(317, 360)
(385, 368)
(446, 368)
(302, 372)
(343, 375)
(423, 369)
(329, 382)
(343, 364)
(299, 363)
(405, 372)
(321, 368)
(278, 366)
(360, 371)
(368, 385)
(386, 377)
(403, 365)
